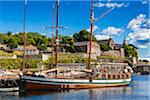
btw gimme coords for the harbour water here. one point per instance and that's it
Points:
(139, 89)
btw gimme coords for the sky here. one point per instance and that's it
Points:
(127, 18)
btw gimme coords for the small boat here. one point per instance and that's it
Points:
(9, 81)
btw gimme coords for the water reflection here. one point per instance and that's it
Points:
(138, 90)
(9, 95)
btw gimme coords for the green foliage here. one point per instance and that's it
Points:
(105, 47)
(83, 35)
(111, 59)
(31, 41)
(12, 43)
(17, 63)
(72, 58)
(41, 41)
(6, 54)
(5, 40)
(42, 47)
(33, 63)
(9, 33)
(69, 41)
(130, 51)
(38, 40)
(33, 38)
(68, 58)
(2, 36)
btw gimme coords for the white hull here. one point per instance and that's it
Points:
(9, 89)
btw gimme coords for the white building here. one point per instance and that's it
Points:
(31, 50)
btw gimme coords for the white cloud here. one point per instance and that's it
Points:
(144, 1)
(110, 5)
(112, 31)
(140, 33)
(136, 22)
(15, 33)
(105, 34)
(102, 37)
(43, 33)
(142, 46)
(100, 4)
(147, 24)
(95, 28)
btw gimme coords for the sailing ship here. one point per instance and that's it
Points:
(95, 75)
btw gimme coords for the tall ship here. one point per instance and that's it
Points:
(95, 75)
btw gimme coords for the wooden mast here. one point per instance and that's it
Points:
(52, 34)
(24, 60)
(57, 40)
(91, 32)
(57, 28)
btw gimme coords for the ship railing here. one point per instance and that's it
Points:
(115, 76)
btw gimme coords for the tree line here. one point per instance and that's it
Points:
(41, 41)
(13, 40)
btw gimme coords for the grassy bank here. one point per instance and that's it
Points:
(3, 53)
(17, 63)
(63, 58)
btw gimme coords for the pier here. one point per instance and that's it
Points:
(142, 68)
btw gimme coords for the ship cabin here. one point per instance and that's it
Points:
(113, 70)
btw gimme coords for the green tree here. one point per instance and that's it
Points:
(31, 41)
(2, 37)
(34, 38)
(12, 43)
(83, 35)
(42, 47)
(69, 41)
(130, 51)
(105, 47)
(9, 33)
(42, 43)
(6, 40)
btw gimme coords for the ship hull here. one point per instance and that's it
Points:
(39, 83)
(11, 89)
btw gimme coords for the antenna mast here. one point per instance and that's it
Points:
(25, 6)
(91, 32)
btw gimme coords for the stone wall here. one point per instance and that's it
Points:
(114, 53)
(122, 53)
(85, 47)
(8, 57)
(80, 55)
(45, 56)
